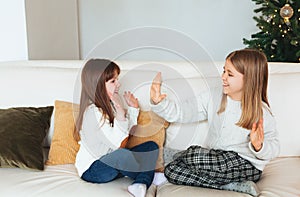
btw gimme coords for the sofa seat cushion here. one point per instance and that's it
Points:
(168, 189)
(59, 180)
(281, 177)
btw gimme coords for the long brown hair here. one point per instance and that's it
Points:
(254, 66)
(93, 90)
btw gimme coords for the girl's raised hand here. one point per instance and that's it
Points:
(257, 135)
(131, 100)
(155, 92)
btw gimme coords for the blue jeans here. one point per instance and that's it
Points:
(137, 163)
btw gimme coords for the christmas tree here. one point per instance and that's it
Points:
(279, 35)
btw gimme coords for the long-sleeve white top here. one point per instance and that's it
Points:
(223, 132)
(99, 138)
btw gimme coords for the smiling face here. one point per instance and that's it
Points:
(232, 81)
(112, 85)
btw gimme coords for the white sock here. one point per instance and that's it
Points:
(137, 189)
(248, 187)
(159, 178)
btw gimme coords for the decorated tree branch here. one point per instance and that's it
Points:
(279, 35)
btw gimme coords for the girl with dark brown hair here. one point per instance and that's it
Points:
(103, 124)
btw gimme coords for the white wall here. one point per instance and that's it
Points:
(219, 26)
(13, 30)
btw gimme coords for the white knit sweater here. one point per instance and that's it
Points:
(98, 138)
(223, 132)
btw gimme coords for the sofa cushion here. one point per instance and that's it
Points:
(150, 127)
(63, 147)
(22, 132)
(169, 189)
(281, 177)
(59, 181)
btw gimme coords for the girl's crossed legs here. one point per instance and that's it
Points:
(198, 166)
(137, 163)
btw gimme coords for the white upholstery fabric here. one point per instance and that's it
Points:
(58, 181)
(281, 178)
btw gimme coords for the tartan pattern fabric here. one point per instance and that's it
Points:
(210, 168)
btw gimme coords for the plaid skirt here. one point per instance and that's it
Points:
(209, 168)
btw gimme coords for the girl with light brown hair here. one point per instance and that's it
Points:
(242, 136)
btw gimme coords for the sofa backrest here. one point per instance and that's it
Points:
(40, 83)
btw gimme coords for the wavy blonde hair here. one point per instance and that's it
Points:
(254, 66)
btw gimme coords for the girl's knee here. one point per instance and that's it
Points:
(148, 146)
(152, 144)
(169, 170)
(169, 174)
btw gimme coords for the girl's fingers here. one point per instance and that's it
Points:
(162, 96)
(155, 90)
(260, 122)
(157, 78)
(254, 126)
(130, 99)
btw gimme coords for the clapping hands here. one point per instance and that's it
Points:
(257, 135)
(155, 90)
(117, 102)
(130, 99)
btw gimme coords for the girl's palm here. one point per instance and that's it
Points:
(131, 100)
(155, 92)
(257, 135)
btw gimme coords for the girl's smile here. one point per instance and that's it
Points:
(232, 81)
(113, 86)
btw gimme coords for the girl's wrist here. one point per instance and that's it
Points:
(153, 102)
(257, 148)
(135, 106)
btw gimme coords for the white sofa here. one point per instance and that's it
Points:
(40, 83)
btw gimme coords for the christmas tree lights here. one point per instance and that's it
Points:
(279, 35)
